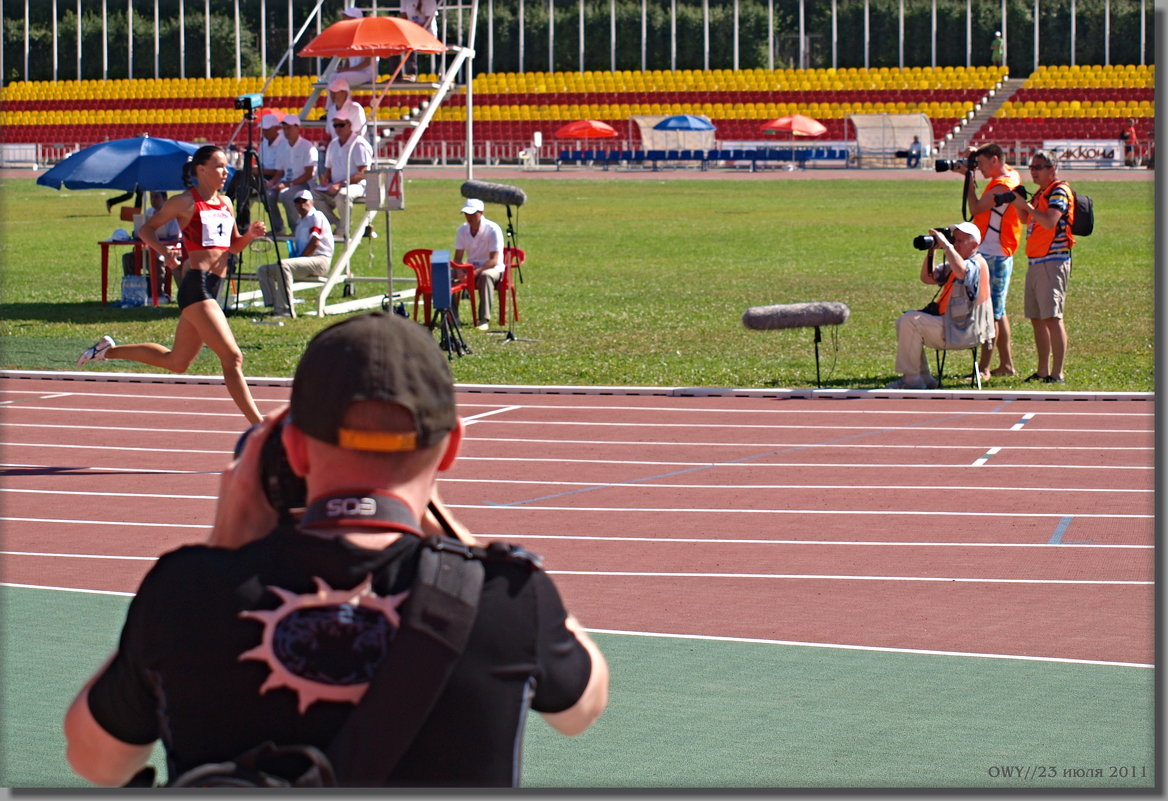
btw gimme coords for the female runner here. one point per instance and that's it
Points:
(209, 233)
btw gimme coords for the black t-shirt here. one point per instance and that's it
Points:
(224, 649)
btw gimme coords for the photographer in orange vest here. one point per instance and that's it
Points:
(1001, 233)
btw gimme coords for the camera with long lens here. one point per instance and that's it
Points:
(284, 489)
(928, 240)
(945, 165)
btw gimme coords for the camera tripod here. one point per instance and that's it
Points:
(450, 330)
(241, 193)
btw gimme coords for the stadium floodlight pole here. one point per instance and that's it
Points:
(706, 35)
(802, 34)
(491, 34)
(735, 33)
(1036, 35)
(835, 34)
(207, 39)
(1072, 33)
(78, 39)
(1107, 33)
(26, 39)
(612, 33)
(238, 71)
(104, 41)
(867, 34)
(264, 39)
(1143, 30)
(54, 41)
(771, 33)
(521, 37)
(291, 41)
(645, 33)
(581, 12)
(156, 39)
(551, 35)
(900, 36)
(969, 32)
(182, 39)
(933, 33)
(1006, 40)
(129, 38)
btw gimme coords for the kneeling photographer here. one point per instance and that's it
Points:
(959, 315)
(1001, 233)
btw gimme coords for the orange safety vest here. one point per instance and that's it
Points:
(1038, 237)
(1011, 233)
(983, 286)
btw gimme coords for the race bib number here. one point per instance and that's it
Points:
(217, 227)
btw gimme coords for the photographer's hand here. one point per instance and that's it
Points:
(243, 513)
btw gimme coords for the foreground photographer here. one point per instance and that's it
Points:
(1001, 232)
(960, 316)
(279, 631)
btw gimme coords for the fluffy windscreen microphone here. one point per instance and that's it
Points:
(795, 315)
(488, 192)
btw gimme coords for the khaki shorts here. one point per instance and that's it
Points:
(1046, 289)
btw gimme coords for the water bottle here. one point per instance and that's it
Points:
(133, 291)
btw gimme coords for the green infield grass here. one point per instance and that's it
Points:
(631, 282)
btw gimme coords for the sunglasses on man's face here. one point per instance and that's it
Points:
(340, 125)
(1040, 166)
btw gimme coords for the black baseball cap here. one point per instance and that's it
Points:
(379, 357)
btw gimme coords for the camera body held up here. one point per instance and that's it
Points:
(945, 165)
(927, 240)
(284, 489)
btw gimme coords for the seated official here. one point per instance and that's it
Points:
(314, 254)
(480, 241)
(964, 316)
(295, 165)
(348, 158)
(169, 232)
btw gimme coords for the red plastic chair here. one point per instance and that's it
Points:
(419, 261)
(513, 258)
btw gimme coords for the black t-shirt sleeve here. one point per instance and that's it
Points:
(564, 664)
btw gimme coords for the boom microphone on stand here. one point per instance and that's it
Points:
(795, 315)
(503, 194)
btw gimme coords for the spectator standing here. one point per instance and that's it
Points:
(272, 145)
(314, 254)
(481, 241)
(1001, 233)
(373, 423)
(1131, 141)
(296, 167)
(1048, 216)
(997, 49)
(342, 181)
(425, 14)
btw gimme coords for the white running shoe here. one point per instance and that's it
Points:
(97, 352)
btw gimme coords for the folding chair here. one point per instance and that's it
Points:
(419, 261)
(939, 357)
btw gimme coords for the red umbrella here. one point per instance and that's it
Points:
(372, 36)
(796, 125)
(586, 129)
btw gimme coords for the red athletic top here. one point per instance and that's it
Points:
(210, 226)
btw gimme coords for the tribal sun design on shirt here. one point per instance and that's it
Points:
(325, 645)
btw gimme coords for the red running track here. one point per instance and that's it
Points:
(1011, 527)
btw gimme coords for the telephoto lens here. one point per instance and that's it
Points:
(284, 489)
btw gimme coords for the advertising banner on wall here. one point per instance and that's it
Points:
(1086, 152)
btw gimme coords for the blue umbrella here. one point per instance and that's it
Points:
(684, 122)
(141, 163)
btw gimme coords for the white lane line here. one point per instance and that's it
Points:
(827, 465)
(111, 448)
(80, 556)
(856, 543)
(67, 521)
(841, 512)
(474, 418)
(1026, 418)
(818, 577)
(715, 638)
(39, 397)
(981, 460)
(884, 649)
(808, 445)
(815, 406)
(166, 495)
(639, 483)
(919, 427)
(79, 468)
(155, 430)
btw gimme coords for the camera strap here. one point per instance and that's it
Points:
(374, 509)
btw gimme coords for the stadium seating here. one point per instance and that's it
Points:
(1076, 102)
(509, 107)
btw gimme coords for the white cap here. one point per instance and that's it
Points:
(473, 205)
(997, 33)
(303, 194)
(353, 12)
(971, 229)
(291, 119)
(338, 85)
(269, 121)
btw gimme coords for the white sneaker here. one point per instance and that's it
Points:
(97, 352)
(483, 325)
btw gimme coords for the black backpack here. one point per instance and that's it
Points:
(1084, 222)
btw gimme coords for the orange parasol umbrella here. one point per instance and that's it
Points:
(796, 125)
(586, 129)
(372, 36)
